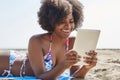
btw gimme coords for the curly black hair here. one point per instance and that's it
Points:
(52, 12)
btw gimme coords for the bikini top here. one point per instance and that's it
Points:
(48, 59)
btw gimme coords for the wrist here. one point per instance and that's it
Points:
(64, 66)
(81, 73)
(77, 79)
(73, 69)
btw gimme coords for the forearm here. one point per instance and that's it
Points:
(74, 68)
(52, 74)
(81, 73)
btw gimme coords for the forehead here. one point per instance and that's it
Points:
(70, 16)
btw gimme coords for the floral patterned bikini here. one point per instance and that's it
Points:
(47, 61)
(49, 64)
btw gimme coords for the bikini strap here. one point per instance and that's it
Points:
(67, 44)
(22, 69)
(50, 45)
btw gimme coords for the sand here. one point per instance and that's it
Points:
(108, 66)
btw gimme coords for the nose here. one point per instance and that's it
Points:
(67, 25)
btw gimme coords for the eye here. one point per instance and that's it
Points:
(62, 22)
(71, 21)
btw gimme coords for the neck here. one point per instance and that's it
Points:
(58, 39)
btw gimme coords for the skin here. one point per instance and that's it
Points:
(39, 45)
(4, 65)
(38, 48)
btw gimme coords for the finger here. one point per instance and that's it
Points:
(87, 58)
(73, 58)
(91, 53)
(71, 53)
(91, 62)
(90, 59)
(72, 61)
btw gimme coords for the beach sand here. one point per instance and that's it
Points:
(108, 66)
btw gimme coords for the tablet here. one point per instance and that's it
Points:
(86, 40)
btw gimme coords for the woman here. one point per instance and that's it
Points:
(50, 55)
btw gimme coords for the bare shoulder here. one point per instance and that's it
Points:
(39, 38)
(35, 38)
(71, 39)
(38, 43)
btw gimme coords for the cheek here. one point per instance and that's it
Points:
(57, 28)
(73, 26)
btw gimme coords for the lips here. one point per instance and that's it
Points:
(66, 32)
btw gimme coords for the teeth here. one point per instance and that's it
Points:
(66, 30)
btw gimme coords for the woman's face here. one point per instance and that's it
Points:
(65, 27)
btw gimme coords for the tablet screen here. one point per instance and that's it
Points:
(86, 40)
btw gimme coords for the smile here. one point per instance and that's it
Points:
(66, 31)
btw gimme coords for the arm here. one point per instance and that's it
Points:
(80, 72)
(91, 61)
(4, 61)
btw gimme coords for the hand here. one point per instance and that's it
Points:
(91, 60)
(70, 59)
